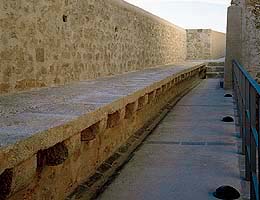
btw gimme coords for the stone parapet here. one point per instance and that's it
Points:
(54, 139)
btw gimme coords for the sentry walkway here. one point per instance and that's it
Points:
(189, 155)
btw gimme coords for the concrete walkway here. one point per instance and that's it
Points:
(189, 155)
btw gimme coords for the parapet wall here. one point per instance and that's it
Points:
(205, 44)
(49, 43)
(56, 139)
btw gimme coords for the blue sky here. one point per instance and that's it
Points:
(189, 13)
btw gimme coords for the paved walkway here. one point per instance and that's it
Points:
(189, 155)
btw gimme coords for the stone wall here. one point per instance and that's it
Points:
(205, 44)
(250, 36)
(234, 45)
(247, 35)
(49, 43)
(218, 44)
(55, 157)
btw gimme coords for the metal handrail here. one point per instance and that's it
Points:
(247, 94)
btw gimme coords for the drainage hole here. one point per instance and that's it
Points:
(228, 95)
(226, 192)
(228, 119)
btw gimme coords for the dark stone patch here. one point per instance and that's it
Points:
(112, 158)
(130, 110)
(103, 168)
(78, 192)
(124, 148)
(64, 18)
(52, 156)
(93, 179)
(139, 133)
(90, 133)
(5, 183)
(113, 119)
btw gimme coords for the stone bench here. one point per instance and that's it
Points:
(53, 139)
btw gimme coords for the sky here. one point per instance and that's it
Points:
(189, 13)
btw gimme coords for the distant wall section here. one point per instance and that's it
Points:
(205, 44)
(49, 43)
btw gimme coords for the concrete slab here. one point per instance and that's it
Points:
(189, 155)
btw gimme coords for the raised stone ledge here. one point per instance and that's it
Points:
(50, 120)
(41, 111)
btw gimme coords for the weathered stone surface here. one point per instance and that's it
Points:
(50, 121)
(244, 29)
(205, 44)
(250, 32)
(54, 42)
(24, 173)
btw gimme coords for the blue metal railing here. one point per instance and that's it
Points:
(247, 93)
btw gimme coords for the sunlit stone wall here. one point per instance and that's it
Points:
(48, 43)
(205, 44)
(251, 36)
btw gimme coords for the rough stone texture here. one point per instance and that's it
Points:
(234, 44)
(205, 44)
(250, 35)
(52, 127)
(48, 43)
(24, 173)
